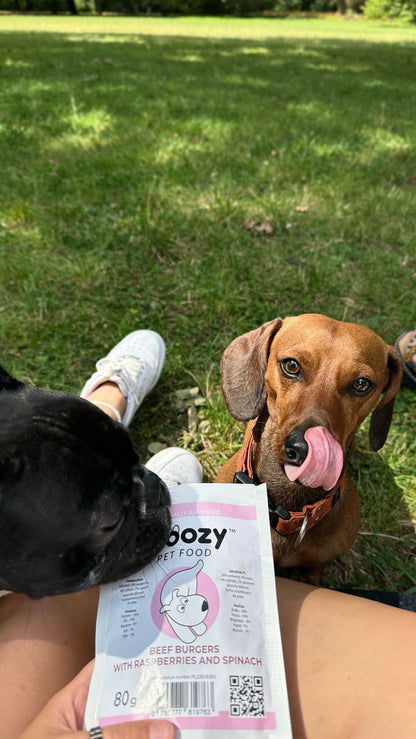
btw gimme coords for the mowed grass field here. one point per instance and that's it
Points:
(200, 177)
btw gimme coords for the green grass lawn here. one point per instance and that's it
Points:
(200, 177)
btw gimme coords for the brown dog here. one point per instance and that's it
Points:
(305, 384)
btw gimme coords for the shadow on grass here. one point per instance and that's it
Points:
(383, 555)
(148, 155)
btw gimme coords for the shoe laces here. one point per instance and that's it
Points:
(125, 369)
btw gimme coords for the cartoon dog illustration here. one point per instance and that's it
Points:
(184, 608)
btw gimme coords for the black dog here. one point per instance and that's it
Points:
(76, 507)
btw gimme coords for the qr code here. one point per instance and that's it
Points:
(246, 695)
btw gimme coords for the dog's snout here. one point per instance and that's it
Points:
(157, 493)
(296, 447)
(204, 606)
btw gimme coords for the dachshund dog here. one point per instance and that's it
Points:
(305, 384)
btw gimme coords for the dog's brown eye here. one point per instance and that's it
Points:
(361, 386)
(291, 368)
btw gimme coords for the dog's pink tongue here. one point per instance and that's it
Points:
(323, 464)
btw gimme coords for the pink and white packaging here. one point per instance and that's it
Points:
(195, 637)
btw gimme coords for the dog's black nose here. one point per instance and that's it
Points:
(296, 447)
(204, 606)
(157, 492)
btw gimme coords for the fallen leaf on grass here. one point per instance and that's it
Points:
(187, 398)
(259, 228)
(156, 446)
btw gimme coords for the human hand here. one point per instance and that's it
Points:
(63, 717)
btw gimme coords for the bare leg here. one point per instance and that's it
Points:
(350, 662)
(111, 397)
(43, 645)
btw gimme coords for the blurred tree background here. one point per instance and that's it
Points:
(404, 10)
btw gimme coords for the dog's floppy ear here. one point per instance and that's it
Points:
(166, 606)
(7, 382)
(382, 414)
(243, 366)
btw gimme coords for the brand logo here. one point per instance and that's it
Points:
(202, 536)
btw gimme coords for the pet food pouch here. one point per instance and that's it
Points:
(194, 637)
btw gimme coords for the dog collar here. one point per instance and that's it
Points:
(281, 520)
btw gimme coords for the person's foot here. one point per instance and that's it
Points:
(134, 365)
(175, 466)
(406, 346)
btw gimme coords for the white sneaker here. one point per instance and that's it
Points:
(175, 466)
(135, 364)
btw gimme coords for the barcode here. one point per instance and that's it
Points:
(190, 694)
